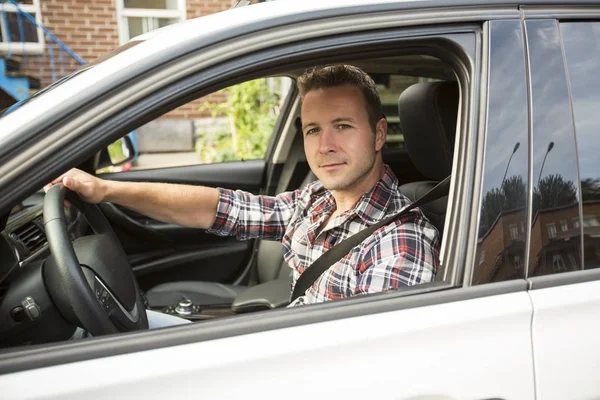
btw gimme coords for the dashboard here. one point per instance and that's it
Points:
(27, 313)
(23, 240)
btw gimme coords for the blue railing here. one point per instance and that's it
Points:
(51, 39)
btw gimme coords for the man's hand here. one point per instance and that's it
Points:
(88, 187)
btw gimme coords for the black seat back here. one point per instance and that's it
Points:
(428, 114)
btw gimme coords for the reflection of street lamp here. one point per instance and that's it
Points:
(509, 160)
(550, 146)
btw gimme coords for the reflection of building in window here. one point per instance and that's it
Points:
(558, 264)
(140, 16)
(522, 227)
(514, 231)
(481, 257)
(563, 225)
(552, 230)
(575, 222)
(517, 262)
(590, 221)
(572, 262)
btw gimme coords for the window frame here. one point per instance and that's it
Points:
(124, 13)
(21, 48)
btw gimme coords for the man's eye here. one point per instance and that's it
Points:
(343, 126)
(312, 131)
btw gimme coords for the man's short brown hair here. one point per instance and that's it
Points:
(340, 75)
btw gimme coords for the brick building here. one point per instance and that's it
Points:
(91, 29)
(555, 245)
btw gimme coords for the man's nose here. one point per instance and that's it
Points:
(327, 141)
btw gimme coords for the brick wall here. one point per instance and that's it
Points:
(90, 29)
(199, 8)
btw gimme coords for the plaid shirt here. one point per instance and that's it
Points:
(403, 253)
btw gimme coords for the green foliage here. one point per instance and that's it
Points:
(115, 151)
(590, 188)
(251, 110)
(553, 191)
(215, 147)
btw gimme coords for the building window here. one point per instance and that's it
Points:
(517, 262)
(23, 37)
(558, 264)
(563, 226)
(590, 221)
(514, 231)
(552, 230)
(575, 222)
(481, 257)
(137, 17)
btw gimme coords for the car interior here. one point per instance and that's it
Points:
(194, 275)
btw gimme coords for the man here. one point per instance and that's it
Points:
(344, 132)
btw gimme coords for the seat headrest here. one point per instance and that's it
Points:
(428, 113)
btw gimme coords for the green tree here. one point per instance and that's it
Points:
(510, 196)
(553, 191)
(590, 188)
(251, 108)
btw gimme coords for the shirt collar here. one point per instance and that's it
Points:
(383, 199)
(373, 205)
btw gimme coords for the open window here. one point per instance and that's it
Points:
(424, 90)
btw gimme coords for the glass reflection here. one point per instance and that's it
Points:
(556, 236)
(501, 242)
(582, 49)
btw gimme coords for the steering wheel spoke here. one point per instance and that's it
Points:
(90, 280)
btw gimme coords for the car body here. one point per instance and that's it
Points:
(512, 313)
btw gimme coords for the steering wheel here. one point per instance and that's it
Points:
(90, 280)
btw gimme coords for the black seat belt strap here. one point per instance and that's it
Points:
(333, 255)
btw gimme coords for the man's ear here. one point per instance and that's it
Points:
(380, 134)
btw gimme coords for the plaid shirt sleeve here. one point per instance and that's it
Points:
(248, 216)
(404, 254)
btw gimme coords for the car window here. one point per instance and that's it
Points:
(232, 124)
(501, 237)
(555, 176)
(582, 50)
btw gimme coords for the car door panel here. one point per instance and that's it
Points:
(566, 344)
(160, 252)
(471, 349)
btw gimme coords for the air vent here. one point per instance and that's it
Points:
(31, 237)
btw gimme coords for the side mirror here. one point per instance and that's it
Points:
(117, 153)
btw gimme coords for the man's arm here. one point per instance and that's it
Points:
(186, 205)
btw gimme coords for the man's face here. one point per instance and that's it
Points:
(339, 143)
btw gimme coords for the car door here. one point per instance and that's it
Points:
(449, 339)
(564, 251)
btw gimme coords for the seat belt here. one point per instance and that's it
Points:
(337, 252)
(294, 170)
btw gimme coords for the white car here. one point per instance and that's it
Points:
(502, 96)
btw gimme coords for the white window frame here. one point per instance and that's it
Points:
(552, 230)
(563, 225)
(124, 13)
(514, 231)
(26, 47)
